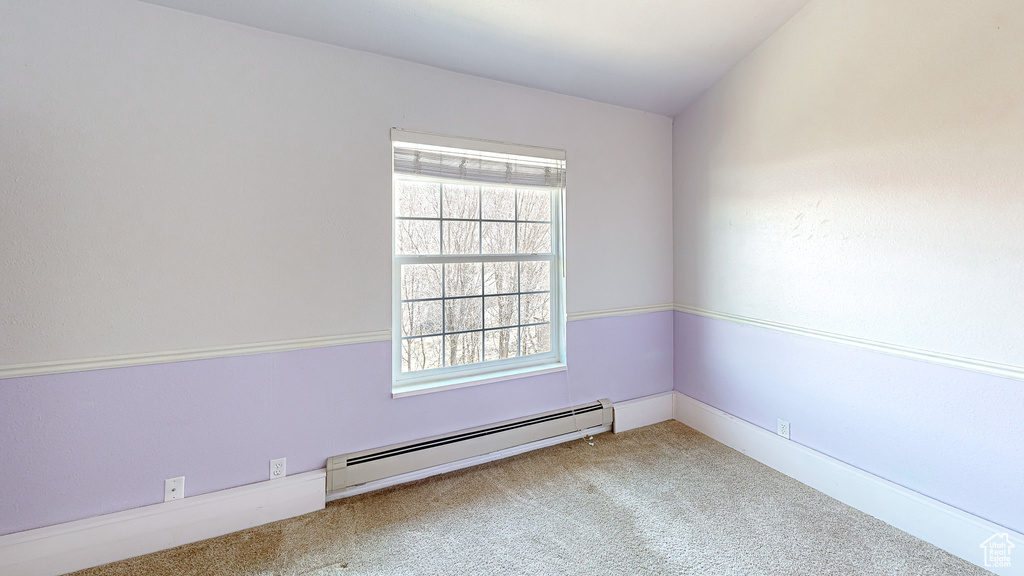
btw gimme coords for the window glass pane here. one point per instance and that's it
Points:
(534, 238)
(499, 238)
(498, 203)
(418, 236)
(536, 339)
(463, 314)
(461, 201)
(463, 348)
(534, 205)
(535, 308)
(535, 276)
(500, 344)
(462, 279)
(421, 281)
(501, 277)
(501, 311)
(417, 199)
(421, 353)
(462, 237)
(454, 309)
(421, 318)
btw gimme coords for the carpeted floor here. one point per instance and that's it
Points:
(659, 500)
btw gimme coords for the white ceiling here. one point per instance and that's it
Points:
(653, 55)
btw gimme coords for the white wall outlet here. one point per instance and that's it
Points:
(277, 468)
(174, 488)
(783, 429)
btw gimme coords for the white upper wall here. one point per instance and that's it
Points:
(169, 181)
(861, 173)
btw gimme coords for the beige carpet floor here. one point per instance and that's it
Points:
(659, 500)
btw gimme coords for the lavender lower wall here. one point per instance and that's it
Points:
(950, 434)
(89, 443)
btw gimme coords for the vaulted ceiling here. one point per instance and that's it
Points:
(653, 55)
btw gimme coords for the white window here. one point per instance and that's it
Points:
(478, 267)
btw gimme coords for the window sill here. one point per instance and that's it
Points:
(476, 380)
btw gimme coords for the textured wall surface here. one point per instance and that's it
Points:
(953, 435)
(169, 181)
(861, 174)
(89, 443)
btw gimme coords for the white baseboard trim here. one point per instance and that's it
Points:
(643, 411)
(63, 548)
(951, 529)
(464, 463)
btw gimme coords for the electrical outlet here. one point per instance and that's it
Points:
(174, 488)
(783, 429)
(277, 468)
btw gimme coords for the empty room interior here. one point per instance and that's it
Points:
(511, 287)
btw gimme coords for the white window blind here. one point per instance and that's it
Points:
(479, 167)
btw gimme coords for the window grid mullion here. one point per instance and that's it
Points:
(497, 220)
(444, 316)
(519, 309)
(457, 332)
(475, 296)
(408, 259)
(483, 273)
(519, 284)
(444, 281)
(443, 258)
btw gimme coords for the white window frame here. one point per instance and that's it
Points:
(450, 377)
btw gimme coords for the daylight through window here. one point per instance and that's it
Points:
(477, 263)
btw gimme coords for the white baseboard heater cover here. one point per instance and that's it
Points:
(361, 467)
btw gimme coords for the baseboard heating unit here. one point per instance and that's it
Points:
(367, 467)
